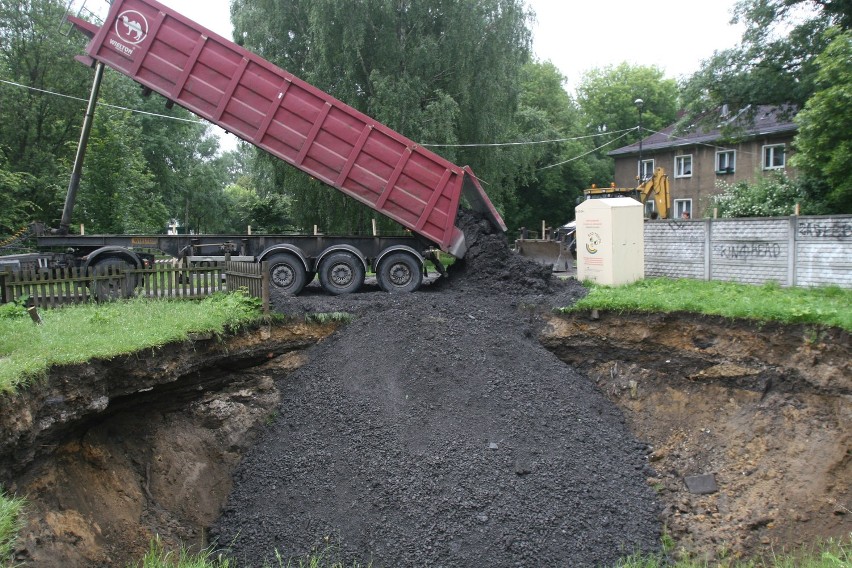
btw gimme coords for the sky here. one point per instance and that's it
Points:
(674, 35)
(578, 36)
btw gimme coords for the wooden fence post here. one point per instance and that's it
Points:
(264, 286)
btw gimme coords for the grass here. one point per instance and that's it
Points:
(833, 553)
(11, 519)
(158, 557)
(79, 333)
(827, 306)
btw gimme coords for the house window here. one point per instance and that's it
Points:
(681, 207)
(726, 162)
(646, 170)
(650, 207)
(683, 166)
(773, 157)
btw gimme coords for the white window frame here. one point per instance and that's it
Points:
(647, 169)
(768, 156)
(681, 205)
(680, 162)
(731, 167)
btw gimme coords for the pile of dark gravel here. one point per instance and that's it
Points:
(434, 430)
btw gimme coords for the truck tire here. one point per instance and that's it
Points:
(399, 272)
(287, 273)
(341, 273)
(118, 287)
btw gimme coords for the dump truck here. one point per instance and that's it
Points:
(237, 90)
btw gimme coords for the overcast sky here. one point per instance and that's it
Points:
(578, 36)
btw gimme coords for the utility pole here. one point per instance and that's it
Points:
(640, 105)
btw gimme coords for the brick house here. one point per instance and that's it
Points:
(695, 160)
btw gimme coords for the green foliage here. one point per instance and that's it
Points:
(11, 521)
(607, 98)
(75, 334)
(833, 553)
(774, 63)
(11, 310)
(15, 208)
(117, 190)
(546, 178)
(140, 170)
(820, 306)
(772, 195)
(37, 127)
(158, 557)
(824, 142)
(329, 317)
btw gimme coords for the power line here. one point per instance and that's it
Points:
(589, 152)
(524, 143)
(479, 145)
(137, 111)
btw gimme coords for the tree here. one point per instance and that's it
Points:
(438, 72)
(548, 176)
(775, 61)
(38, 129)
(607, 96)
(15, 208)
(117, 189)
(824, 143)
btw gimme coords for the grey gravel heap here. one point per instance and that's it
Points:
(434, 430)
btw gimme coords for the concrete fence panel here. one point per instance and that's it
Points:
(792, 251)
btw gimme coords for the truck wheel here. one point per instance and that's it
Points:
(119, 286)
(287, 273)
(399, 272)
(341, 273)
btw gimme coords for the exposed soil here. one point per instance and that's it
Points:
(441, 429)
(764, 410)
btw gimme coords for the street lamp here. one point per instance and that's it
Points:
(640, 106)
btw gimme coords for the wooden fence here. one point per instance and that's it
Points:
(55, 287)
(250, 276)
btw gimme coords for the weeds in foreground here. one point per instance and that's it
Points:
(11, 521)
(329, 317)
(833, 553)
(158, 557)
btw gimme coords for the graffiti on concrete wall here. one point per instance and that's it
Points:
(747, 251)
(826, 228)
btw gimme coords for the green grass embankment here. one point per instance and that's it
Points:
(828, 306)
(76, 334)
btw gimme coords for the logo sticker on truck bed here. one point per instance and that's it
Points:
(131, 27)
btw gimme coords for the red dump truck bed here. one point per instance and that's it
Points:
(289, 118)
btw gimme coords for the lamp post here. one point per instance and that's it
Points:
(640, 106)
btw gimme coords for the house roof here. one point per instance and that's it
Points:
(754, 121)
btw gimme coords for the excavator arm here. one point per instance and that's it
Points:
(657, 188)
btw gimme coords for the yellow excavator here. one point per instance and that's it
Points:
(656, 187)
(558, 247)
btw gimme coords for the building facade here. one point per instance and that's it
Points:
(696, 160)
